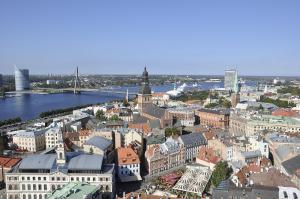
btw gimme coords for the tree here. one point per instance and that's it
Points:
(224, 102)
(171, 132)
(100, 115)
(222, 172)
(115, 118)
(211, 105)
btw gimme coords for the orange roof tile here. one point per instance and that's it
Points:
(8, 162)
(127, 156)
(84, 132)
(208, 154)
(145, 127)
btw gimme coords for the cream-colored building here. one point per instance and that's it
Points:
(39, 175)
(132, 136)
(32, 141)
(246, 124)
(51, 136)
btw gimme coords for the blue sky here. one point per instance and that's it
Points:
(170, 37)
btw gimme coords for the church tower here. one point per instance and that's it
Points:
(144, 96)
(60, 150)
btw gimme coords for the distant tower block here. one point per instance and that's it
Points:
(77, 83)
(22, 79)
(127, 96)
(1, 80)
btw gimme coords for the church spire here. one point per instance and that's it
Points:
(145, 88)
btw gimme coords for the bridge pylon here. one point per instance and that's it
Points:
(77, 85)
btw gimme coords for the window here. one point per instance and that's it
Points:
(28, 188)
(23, 188)
(45, 187)
(45, 178)
(39, 178)
(34, 186)
(285, 194)
(28, 178)
(63, 179)
(39, 187)
(33, 178)
(24, 196)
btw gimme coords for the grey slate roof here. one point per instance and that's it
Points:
(99, 142)
(251, 154)
(215, 111)
(86, 162)
(137, 119)
(193, 139)
(227, 190)
(292, 164)
(154, 111)
(40, 161)
(154, 124)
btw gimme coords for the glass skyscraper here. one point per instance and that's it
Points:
(22, 79)
(231, 80)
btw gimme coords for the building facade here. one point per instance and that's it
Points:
(251, 124)
(51, 136)
(165, 156)
(215, 118)
(32, 141)
(128, 165)
(192, 143)
(37, 176)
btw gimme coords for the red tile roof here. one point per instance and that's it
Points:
(8, 162)
(127, 156)
(208, 154)
(284, 112)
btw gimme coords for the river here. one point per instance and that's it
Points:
(29, 106)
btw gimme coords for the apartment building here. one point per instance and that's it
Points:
(165, 156)
(32, 141)
(214, 118)
(51, 136)
(128, 165)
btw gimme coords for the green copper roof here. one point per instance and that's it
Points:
(74, 190)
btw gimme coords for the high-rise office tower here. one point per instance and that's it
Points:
(22, 79)
(1, 80)
(231, 80)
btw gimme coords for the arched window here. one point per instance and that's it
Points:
(45, 187)
(53, 187)
(29, 188)
(24, 196)
(40, 196)
(23, 188)
(34, 187)
(107, 188)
